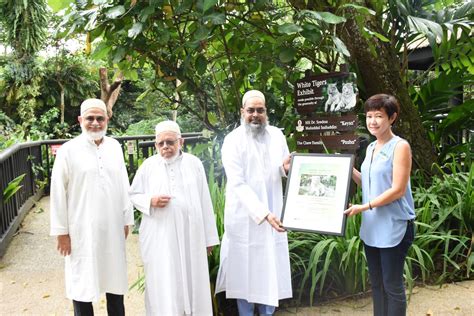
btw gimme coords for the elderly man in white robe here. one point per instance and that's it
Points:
(178, 226)
(254, 259)
(91, 212)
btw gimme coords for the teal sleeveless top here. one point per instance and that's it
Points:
(383, 226)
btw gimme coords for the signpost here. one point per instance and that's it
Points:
(326, 103)
(318, 185)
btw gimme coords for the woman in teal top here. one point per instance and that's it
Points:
(387, 210)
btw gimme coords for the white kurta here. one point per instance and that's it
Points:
(254, 259)
(173, 239)
(89, 201)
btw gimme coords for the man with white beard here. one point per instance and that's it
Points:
(254, 259)
(91, 213)
(177, 227)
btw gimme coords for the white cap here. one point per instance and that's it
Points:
(167, 126)
(93, 103)
(252, 94)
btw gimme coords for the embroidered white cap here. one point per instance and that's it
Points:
(93, 104)
(167, 126)
(252, 94)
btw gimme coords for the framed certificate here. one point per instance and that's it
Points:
(317, 193)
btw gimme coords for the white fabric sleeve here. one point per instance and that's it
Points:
(236, 182)
(210, 228)
(58, 195)
(128, 218)
(286, 153)
(138, 191)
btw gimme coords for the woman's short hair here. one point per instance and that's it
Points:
(383, 101)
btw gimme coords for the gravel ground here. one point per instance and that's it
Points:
(32, 281)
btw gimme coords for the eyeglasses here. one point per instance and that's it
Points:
(91, 119)
(167, 142)
(253, 110)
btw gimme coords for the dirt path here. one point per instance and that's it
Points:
(32, 281)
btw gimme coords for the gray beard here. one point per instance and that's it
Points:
(253, 129)
(172, 159)
(94, 136)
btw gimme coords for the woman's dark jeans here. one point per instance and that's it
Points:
(386, 275)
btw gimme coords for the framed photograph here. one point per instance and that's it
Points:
(317, 193)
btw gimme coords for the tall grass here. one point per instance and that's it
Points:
(445, 216)
(328, 266)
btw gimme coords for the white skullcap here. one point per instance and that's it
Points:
(252, 94)
(167, 126)
(91, 104)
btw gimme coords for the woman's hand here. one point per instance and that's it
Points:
(355, 209)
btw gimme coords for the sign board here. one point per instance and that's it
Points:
(322, 124)
(54, 148)
(130, 147)
(329, 93)
(315, 142)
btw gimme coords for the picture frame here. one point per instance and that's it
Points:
(317, 193)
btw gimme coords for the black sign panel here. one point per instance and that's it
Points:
(320, 124)
(318, 142)
(331, 92)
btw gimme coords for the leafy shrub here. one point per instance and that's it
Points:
(328, 266)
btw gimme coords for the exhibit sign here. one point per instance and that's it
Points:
(327, 124)
(328, 93)
(319, 143)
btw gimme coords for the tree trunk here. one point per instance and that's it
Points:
(382, 74)
(109, 92)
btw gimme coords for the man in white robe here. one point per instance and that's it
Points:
(254, 259)
(91, 212)
(178, 226)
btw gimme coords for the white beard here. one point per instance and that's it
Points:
(94, 136)
(173, 159)
(255, 129)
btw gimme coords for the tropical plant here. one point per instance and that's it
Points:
(447, 112)
(68, 80)
(25, 23)
(325, 266)
(446, 214)
(206, 53)
(12, 187)
(379, 45)
(328, 266)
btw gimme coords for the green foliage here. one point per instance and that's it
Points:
(7, 130)
(144, 127)
(12, 187)
(147, 126)
(199, 44)
(71, 76)
(447, 204)
(21, 82)
(442, 250)
(326, 264)
(437, 91)
(47, 126)
(440, 103)
(25, 22)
